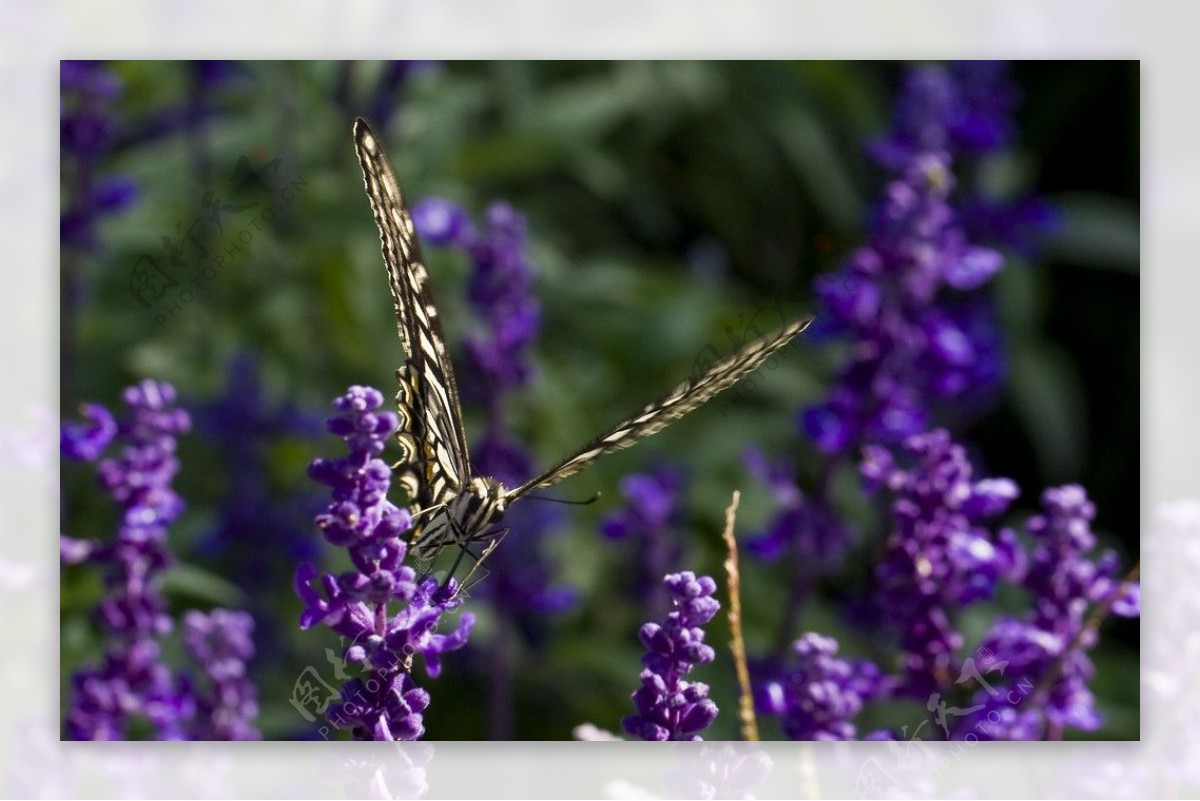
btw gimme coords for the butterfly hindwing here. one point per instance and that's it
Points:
(434, 463)
(686, 397)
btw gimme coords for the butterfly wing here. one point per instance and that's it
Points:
(656, 416)
(434, 463)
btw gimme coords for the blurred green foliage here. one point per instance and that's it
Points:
(666, 203)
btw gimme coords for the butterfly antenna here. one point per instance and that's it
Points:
(595, 497)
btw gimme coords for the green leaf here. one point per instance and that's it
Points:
(809, 148)
(1045, 390)
(1098, 231)
(201, 585)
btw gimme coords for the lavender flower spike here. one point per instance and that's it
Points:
(1047, 648)
(820, 696)
(668, 707)
(941, 553)
(499, 364)
(221, 644)
(384, 703)
(130, 682)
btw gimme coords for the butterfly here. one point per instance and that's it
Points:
(449, 504)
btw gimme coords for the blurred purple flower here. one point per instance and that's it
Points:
(668, 706)
(938, 556)
(88, 128)
(648, 518)
(909, 300)
(442, 223)
(965, 107)
(133, 614)
(394, 75)
(812, 532)
(652, 499)
(86, 441)
(258, 533)
(522, 581)
(500, 291)
(910, 349)
(1047, 668)
(818, 695)
(221, 643)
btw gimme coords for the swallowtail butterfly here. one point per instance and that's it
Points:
(450, 505)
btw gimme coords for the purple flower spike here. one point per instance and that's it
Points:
(809, 529)
(819, 695)
(384, 703)
(221, 643)
(88, 129)
(500, 292)
(648, 520)
(131, 683)
(1044, 654)
(668, 707)
(938, 556)
(923, 334)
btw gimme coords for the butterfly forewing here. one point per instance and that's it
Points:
(434, 467)
(656, 416)
(434, 462)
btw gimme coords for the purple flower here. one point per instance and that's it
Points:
(500, 291)
(909, 300)
(965, 108)
(809, 529)
(652, 499)
(648, 519)
(242, 424)
(130, 682)
(1047, 670)
(384, 702)
(443, 223)
(818, 696)
(938, 556)
(88, 440)
(88, 129)
(668, 706)
(522, 579)
(392, 78)
(221, 643)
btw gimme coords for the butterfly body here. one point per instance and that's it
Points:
(450, 505)
(463, 519)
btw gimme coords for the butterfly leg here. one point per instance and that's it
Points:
(493, 544)
(457, 562)
(461, 539)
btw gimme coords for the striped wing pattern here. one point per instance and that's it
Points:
(434, 463)
(435, 468)
(689, 395)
